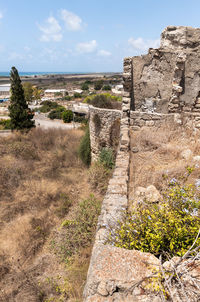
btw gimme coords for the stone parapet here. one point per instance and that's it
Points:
(101, 124)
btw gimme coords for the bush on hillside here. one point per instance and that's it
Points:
(67, 116)
(57, 113)
(106, 87)
(81, 230)
(98, 85)
(84, 86)
(106, 158)
(77, 95)
(5, 124)
(104, 100)
(99, 176)
(85, 149)
(169, 227)
(48, 106)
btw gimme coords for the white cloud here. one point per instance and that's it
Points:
(1, 15)
(142, 44)
(72, 21)
(104, 53)
(15, 56)
(51, 31)
(87, 47)
(26, 48)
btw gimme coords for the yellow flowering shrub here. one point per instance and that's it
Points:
(169, 226)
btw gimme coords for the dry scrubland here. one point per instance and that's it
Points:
(42, 184)
(165, 151)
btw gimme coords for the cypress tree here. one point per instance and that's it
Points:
(20, 114)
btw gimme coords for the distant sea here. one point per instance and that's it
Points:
(7, 74)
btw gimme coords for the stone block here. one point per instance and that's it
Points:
(150, 123)
(114, 269)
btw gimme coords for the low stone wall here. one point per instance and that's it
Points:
(143, 119)
(114, 203)
(103, 123)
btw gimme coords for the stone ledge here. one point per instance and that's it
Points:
(115, 274)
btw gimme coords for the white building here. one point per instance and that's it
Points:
(5, 91)
(118, 89)
(53, 93)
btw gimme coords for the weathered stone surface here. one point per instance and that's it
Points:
(101, 136)
(167, 79)
(151, 194)
(180, 37)
(114, 270)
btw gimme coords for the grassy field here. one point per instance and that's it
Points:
(47, 217)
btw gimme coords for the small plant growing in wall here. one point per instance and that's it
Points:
(85, 149)
(106, 158)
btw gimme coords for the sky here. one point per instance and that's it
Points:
(85, 35)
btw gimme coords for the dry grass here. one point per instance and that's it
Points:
(41, 182)
(160, 153)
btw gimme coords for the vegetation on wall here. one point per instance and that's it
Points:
(106, 158)
(85, 149)
(104, 100)
(168, 227)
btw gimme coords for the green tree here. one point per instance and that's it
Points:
(37, 93)
(19, 112)
(67, 116)
(28, 91)
(84, 86)
(98, 85)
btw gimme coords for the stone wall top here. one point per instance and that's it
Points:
(180, 37)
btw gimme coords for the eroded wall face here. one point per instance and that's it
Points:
(152, 81)
(167, 80)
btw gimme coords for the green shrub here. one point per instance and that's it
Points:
(99, 176)
(101, 101)
(57, 113)
(67, 98)
(104, 100)
(5, 124)
(85, 149)
(77, 95)
(98, 85)
(47, 106)
(67, 116)
(64, 206)
(168, 227)
(80, 119)
(81, 230)
(84, 86)
(106, 87)
(106, 158)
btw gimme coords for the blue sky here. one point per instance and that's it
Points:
(85, 35)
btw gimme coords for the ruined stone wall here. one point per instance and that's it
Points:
(103, 127)
(162, 86)
(167, 79)
(143, 119)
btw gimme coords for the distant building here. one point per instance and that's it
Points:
(4, 92)
(80, 91)
(54, 93)
(118, 89)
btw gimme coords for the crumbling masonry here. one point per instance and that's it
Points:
(162, 85)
